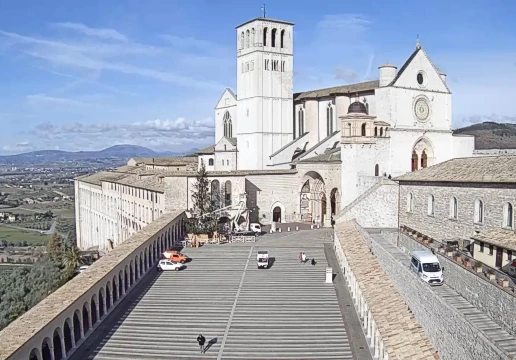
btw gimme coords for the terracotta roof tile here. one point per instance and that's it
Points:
(403, 337)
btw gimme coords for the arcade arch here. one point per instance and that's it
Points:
(313, 200)
(422, 154)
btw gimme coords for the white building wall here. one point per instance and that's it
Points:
(463, 146)
(205, 159)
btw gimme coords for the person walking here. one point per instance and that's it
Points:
(303, 258)
(300, 257)
(313, 262)
(201, 340)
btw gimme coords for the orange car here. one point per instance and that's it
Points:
(175, 256)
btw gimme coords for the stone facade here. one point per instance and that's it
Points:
(443, 225)
(453, 336)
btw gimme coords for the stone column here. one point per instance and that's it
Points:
(63, 348)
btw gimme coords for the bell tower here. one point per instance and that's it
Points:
(264, 90)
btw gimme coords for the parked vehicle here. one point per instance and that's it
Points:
(256, 228)
(176, 256)
(165, 265)
(81, 269)
(262, 259)
(427, 266)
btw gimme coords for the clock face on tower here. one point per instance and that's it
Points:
(422, 109)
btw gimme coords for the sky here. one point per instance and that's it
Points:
(86, 75)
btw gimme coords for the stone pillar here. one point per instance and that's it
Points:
(104, 304)
(63, 348)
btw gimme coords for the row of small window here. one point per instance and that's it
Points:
(491, 250)
(508, 211)
(211, 162)
(275, 64)
(248, 38)
(140, 193)
(248, 66)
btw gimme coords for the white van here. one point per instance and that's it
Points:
(262, 259)
(427, 266)
(256, 228)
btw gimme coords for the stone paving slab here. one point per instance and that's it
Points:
(284, 312)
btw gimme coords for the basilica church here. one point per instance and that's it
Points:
(390, 126)
(280, 156)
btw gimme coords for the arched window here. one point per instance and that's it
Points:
(228, 126)
(301, 121)
(273, 37)
(227, 193)
(247, 39)
(282, 39)
(225, 147)
(364, 129)
(375, 131)
(431, 205)
(376, 170)
(329, 120)
(252, 37)
(242, 40)
(210, 162)
(265, 36)
(294, 126)
(414, 160)
(479, 211)
(410, 202)
(453, 208)
(381, 131)
(508, 215)
(424, 160)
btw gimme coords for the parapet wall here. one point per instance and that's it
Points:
(486, 296)
(390, 328)
(60, 323)
(453, 336)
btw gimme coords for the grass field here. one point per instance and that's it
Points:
(16, 235)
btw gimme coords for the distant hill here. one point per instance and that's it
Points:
(122, 152)
(491, 135)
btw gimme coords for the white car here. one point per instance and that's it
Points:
(169, 265)
(262, 259)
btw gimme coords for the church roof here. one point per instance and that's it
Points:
(206, 151)
(329, 156)
(357, 108)
(232, 140)
(166, 161)
(265, 19)
(409, 60)
(482, 169)
(342, 89)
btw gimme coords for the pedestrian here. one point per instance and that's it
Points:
(201, 340)
(300, 257)
(303, 258)
(313, 262)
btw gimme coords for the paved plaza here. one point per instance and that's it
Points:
(284, 312)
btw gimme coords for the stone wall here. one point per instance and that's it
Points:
(496, 303)
(440, 226)
(453, 336)
(376, 208)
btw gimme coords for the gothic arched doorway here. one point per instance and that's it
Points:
(312, 192)
(276, 214)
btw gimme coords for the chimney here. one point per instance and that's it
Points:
(387, 73)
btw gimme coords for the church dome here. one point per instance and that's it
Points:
(357, 108)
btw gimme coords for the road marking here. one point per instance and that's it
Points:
(221, 350)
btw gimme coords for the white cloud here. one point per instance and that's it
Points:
(44, 99)
(18, 147)
(345, 22)
(101, 56)
(109, 34)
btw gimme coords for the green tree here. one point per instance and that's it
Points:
(55, 249)
(203, 220)
(71, 261)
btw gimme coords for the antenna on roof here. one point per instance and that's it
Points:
(418, 45)
(263, 9)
